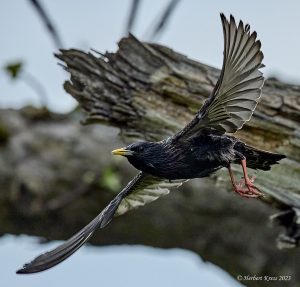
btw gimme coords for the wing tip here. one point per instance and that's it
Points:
(21, 271)
(36, 266)
(223, 19)
(26, 269)
(247, 28)
(222, 15)
(231, 20)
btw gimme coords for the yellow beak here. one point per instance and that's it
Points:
(122, 151)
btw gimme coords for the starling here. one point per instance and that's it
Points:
(200, 149)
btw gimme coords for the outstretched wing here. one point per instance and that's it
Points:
(239, 86)
(144, 188)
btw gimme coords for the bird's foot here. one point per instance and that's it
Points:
(245, 192)
(251, 189)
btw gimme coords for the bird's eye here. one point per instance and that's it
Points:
(141, 148)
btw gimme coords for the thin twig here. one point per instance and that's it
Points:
(132, 15)
(160, 25)
(49, 25)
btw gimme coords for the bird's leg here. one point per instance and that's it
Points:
(249, 181)
(238, 187)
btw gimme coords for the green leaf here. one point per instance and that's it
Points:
(14, 69)
(110, 179)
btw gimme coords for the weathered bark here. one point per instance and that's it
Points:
(53, 172)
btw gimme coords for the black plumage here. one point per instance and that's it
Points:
(198, 150)
(196, 157)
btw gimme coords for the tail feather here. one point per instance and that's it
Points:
(259, 159)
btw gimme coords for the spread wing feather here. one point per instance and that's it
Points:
(238, 88)
(143, 189)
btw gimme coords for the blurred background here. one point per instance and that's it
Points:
(30, 76)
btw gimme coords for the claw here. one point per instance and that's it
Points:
(245, 193)
(251, 187)
(245, 187)
(239, 189)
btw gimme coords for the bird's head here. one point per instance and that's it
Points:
(142, 155)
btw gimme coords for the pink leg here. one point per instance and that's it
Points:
(238, 188)
(249, 181)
